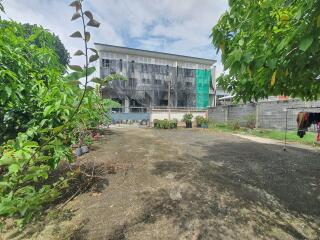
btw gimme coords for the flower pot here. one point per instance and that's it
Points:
(78, 152)
(204, 125)
(84, 149)
(188, 124)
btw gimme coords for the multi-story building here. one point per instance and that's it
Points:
(157, 79)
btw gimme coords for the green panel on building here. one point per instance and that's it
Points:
(203, 79)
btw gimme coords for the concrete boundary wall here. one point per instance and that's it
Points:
(267, 115)
(161, 114)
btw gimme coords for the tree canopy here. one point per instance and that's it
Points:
(53, 41)
(270, 47)
(41, 38)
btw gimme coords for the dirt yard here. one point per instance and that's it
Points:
(198, 184)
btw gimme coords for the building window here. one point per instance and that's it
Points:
(144, 68)
(105, 63)
(157, 82)
(188, 73)
(121, 65)
(188, 84)
(132, 66)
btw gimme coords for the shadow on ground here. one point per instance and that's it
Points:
(234, 185)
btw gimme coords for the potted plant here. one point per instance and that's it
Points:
(199, 120)
(187, 118)
(205, 123)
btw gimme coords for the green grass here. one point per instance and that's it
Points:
(292, 136)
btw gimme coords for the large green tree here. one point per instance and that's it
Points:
(50, 39)
(41, 38)
(270, 47)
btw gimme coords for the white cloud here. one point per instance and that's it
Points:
(176, 26)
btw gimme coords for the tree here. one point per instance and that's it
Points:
(39, 112)
(270, 47)
(41, 38)
(50, 39)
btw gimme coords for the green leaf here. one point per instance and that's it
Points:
(236, 55)
(74, 82)
(90, 88)
(93, 23)
(47, 111)
(75, 16)
(75, 68)
(89, 15)
(241, 42)
(306, 43)
(58, 129)
(94, 50)
(97, 80)
(78, 75)
(76, 4)
(87, 36)
(273, 79)
(93, 58)
(14, 168)
(76, 34)
(1, 8)
(8, 90)
(79, 53)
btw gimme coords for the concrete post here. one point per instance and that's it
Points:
(257, 115)
(226, 113)
(126, 105)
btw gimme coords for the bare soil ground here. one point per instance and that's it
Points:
(196, 184)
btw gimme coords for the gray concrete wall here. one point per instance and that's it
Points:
(268, 115)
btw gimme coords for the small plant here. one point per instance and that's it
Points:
(202, 122)
(205, 123)
(155, 123)
(235, 125)
(166, 124)
(187, 118)
(250, 121)
(199, 120)
(88, 140)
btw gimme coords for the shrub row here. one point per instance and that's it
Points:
(165, 124)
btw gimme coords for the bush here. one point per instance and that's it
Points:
(250, 121)
(166, 124)
(235, 125)
(187, 118)
(202, 121)
(37, 122)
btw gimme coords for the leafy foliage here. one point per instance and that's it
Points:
(34, 104)
(270, 47)
(42, 38)
(166, 124)
(40, 111)
(201, 121)
(187, 118)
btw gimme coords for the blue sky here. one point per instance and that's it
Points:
(174, 26)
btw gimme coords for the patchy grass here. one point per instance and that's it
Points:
(309, 138)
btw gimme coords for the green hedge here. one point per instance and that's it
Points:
(166, 124)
